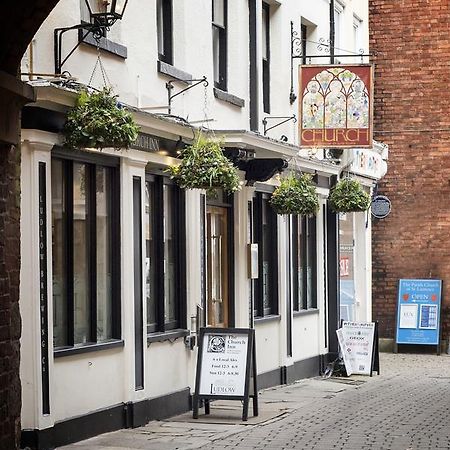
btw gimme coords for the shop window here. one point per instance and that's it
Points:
(304, 272)
(165, 255)
(347, 297)
(266, 56)
(219, 34)
(265, 235)
(164, 30)
(85, 249)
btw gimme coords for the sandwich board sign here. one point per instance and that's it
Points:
(225, 366)
(359, 346)
(418, 312)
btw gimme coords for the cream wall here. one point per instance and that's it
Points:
(138, 83)
(101, 379)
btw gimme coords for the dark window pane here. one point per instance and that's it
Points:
(265, 32)
(59, 211)
(216, 54)
(266, 255)
(150, 258)
(169, 255)
(160, 26)
(311, 264)
(104, 263)
(219, 13)
(80, 254)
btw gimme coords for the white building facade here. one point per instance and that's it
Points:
(120, 267)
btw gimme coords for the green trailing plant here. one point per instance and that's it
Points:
(349, 196)
(295, 195)
(97, 121)
(204, 166)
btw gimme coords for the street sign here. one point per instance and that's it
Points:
(380, 207)
(418, 312)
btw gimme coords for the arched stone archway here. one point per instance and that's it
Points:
(19, 21)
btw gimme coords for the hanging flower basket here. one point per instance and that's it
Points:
(349, 196)
(204, 166)
(97, 121)
(295, 195)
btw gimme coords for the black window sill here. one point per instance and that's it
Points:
(173, 72)
(269, 318)
(87, 348)
(104, 44)
(306, 312)
(229, 98)
(171, 335)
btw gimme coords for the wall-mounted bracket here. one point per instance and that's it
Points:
(323, 45)
(170, 86)
(97, 31)
(285, 119)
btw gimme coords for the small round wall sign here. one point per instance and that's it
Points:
(381, 206)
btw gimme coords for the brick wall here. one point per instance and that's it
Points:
(412, 99)
(10, 324)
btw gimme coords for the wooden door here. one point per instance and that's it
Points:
(217, 266)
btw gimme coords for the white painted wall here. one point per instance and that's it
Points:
(101, 379)
(137, 81)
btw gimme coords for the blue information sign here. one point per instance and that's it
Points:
(418, 311)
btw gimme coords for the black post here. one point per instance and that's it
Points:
(333, 281)
(254, 98)
(332, 31)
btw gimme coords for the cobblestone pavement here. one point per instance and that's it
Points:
(407, 407)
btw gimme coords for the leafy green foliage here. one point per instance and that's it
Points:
(204, 166)
(97, 121)
(295, 195)
(349, 196)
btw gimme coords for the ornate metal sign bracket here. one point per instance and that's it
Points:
(322, 46)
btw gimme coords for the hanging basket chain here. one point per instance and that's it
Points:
(99, 63)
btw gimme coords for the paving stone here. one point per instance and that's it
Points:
(405, 408)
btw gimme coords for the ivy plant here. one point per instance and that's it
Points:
(98, 121)
(349, 196)
(295, 195)
(204, 166)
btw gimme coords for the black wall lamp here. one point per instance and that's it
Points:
(102, 13)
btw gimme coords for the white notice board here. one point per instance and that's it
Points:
(357, 344)
(224, 364)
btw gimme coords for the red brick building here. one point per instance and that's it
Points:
(412, 101)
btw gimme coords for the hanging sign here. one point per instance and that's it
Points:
(336, 106)
(418, 312)
(223, 367)
(380, 206)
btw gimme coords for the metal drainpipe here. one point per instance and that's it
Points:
(332, 31)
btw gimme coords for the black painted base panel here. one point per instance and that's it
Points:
(127, 415)
(131, 415)
(306, 368)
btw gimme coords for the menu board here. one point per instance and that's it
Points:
(224, 364)
(357, 345)
(418, 311)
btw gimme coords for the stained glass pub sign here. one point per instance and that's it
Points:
(336, 106)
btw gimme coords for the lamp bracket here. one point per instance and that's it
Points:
(96, 29)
